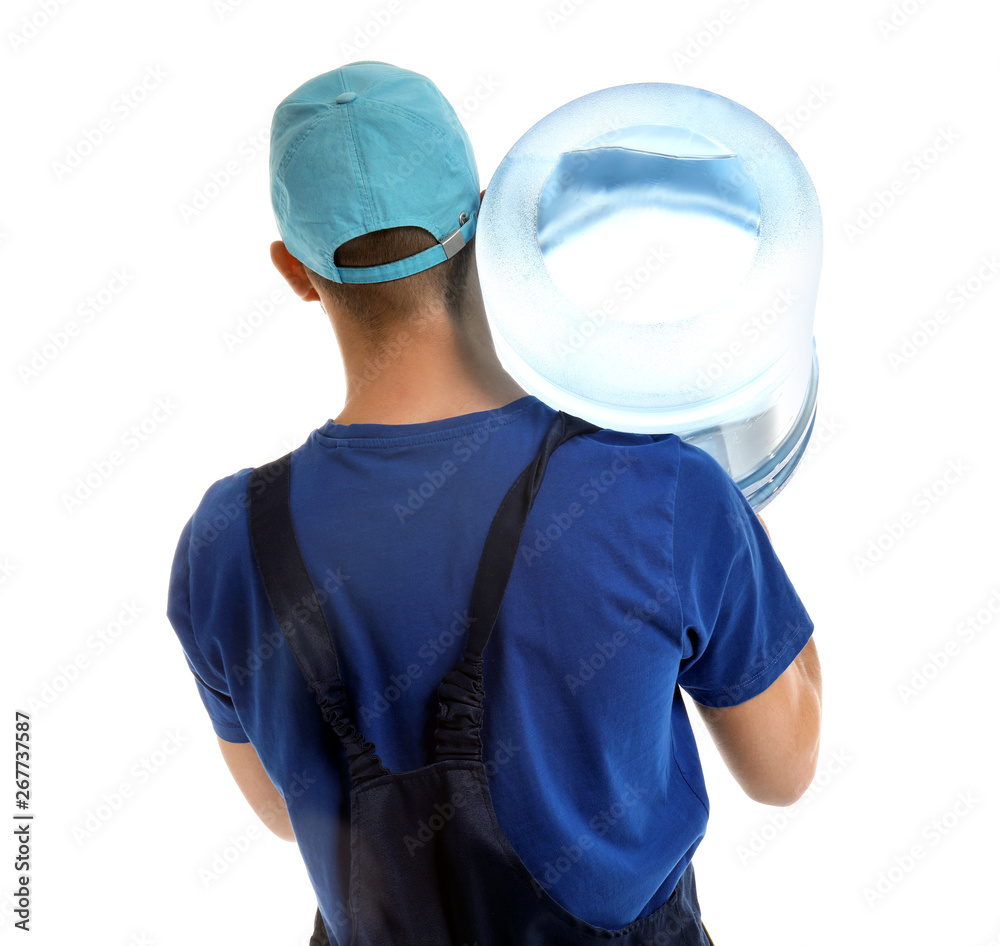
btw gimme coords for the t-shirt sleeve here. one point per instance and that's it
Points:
(204, 662)
(742, 621)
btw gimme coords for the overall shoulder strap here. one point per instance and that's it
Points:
(295, 603)
(460, 695)
(293, 599)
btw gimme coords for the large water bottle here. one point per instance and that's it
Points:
(649, 256)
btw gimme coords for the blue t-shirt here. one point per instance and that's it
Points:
(641, 568)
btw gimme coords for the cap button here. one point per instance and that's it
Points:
(346, 97)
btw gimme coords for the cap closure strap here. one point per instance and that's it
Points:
(438, 253)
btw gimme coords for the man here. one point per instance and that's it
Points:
(641, 567)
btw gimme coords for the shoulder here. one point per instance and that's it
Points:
(611, 439)
(219, 520)
(209, 547)
(712, 517)
(215, 556)
(697, 463)
(702, 473)
(704, 484)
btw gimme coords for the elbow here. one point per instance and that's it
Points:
(275, 818)
(788, 792)
(283, 831)
(791, 781)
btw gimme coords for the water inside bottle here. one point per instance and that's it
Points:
(662, 237)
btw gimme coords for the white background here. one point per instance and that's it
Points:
(859, 103)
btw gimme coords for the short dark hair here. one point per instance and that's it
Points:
(378, 308)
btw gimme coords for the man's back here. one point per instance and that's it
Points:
(641, 566)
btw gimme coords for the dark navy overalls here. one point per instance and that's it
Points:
(459, 882)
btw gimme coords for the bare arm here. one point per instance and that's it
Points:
(771, 742)
(257, 787)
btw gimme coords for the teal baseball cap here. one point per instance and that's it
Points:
(367, 147)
